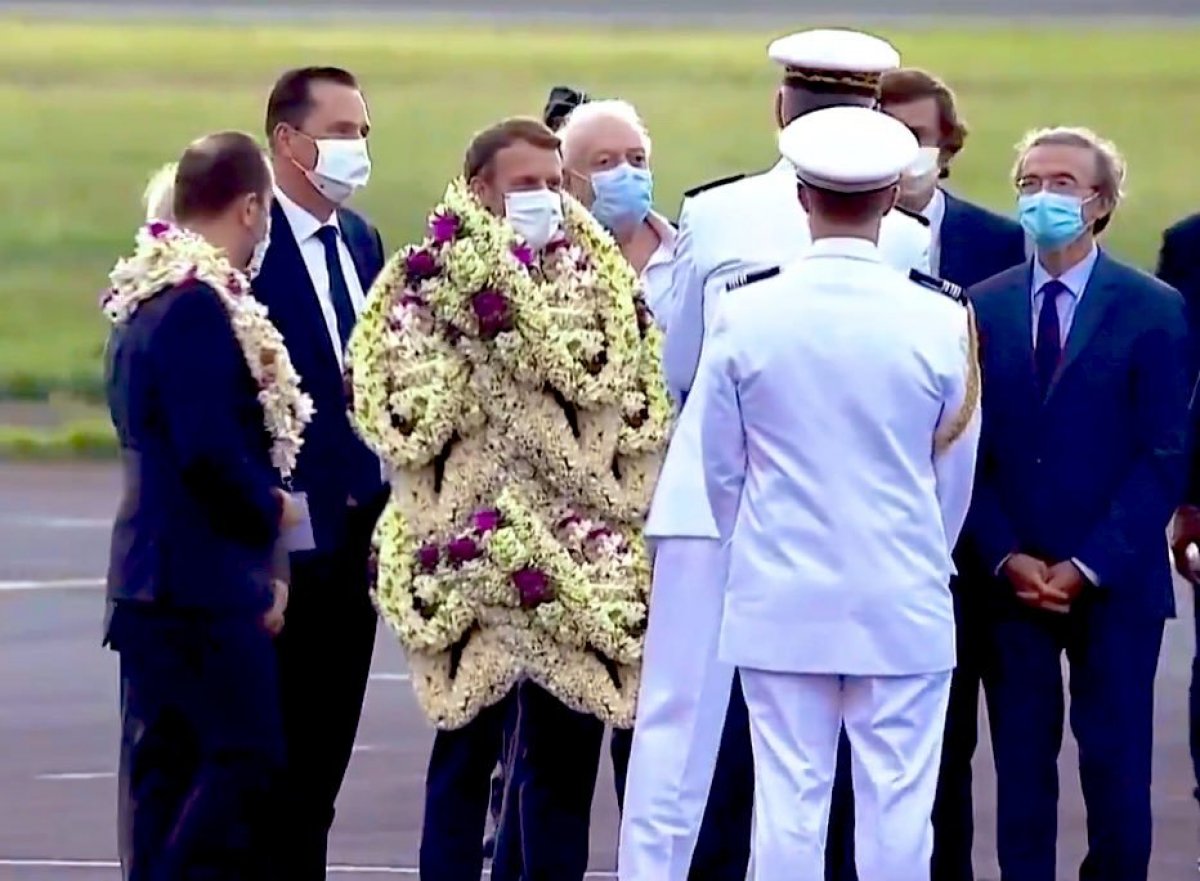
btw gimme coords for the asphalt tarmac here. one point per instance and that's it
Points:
(58, 718)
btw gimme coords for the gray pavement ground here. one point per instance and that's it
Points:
(58, 718)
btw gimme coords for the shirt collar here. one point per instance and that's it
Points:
(936, 209)
(856, 249)
(666, 233)
(1074, 279)
(304, 225)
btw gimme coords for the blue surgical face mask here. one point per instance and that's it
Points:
(623, 196)
(1053, 220)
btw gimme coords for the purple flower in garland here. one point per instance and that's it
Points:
(444, 228)
(557, 244)
(645, 318)
(533, 587)
(568, 521)
(486, 520)
(492, 312)
(158, 228)
(523, 253)
(598, 533)
(420, 265)
(428, 557)
(462, 550)
(413, 300)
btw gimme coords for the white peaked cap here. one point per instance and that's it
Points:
(848, 149)
(835, 50)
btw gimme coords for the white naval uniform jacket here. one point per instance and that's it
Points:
(822, 391)
(727, 232)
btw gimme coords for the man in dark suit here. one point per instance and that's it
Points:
(322, 260)
(1082, 463)
(969, 244)
(190, 580)
(1179, 266)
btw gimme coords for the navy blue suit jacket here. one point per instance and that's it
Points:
(198, 521)
(1095, 470)
(976, 244)
(332, 454)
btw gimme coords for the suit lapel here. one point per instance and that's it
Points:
(950, 240)
(357, 247)
(294, 293)
(1098, 297)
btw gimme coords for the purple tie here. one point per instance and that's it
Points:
(1048, 349)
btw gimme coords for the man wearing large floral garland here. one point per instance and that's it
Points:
(210, 415)
(509, 374)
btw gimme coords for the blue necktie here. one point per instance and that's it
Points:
(339, 291)
(1048, 349)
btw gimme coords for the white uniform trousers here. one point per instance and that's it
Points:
(895, 725)
(680, 714)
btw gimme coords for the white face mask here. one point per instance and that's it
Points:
(921, 177)
(536, 215)
(343, 166)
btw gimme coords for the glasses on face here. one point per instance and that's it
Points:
(1062, 185)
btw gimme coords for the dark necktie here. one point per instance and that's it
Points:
(1048, 349)
(339, 291)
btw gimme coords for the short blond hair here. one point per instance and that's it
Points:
(159, 196)
(1110, 164)
(608, 108)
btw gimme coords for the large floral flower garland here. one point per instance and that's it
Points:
(518, 398)
(166, 256)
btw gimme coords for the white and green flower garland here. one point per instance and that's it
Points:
(518, 399)
(166, 256)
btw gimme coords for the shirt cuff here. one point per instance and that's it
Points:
(1087, 571)
(1000, 569)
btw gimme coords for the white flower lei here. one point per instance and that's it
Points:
(166, 256)
(520, 398)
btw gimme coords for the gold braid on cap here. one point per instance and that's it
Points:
(953, 429)
(801, 77)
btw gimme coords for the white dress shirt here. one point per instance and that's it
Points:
(312, 250)
(822, 390)
(656, 274)
(935, 213)
(1075, 280)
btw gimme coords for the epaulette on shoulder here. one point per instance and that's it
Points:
(933, 283)
(915, 215)
(712, 185)
(751, 277)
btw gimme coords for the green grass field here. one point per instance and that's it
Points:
(90, 111)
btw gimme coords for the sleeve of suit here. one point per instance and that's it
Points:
(990, 531)
(200, 364)
(954, 466)
(685, 326)
(722, 435)
(1155, 484)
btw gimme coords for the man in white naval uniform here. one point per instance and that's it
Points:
(730, 232)
(839, 433)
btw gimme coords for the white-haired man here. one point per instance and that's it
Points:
(1082, 461)
(606, 155)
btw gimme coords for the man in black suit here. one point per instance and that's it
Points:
(969, 245)
(1179, 266)
(191, 594)
(322, 260)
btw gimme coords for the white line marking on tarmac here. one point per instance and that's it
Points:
(78, 775)
(390, 677)
(57, 522)
(407, 871)
(51, 584)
